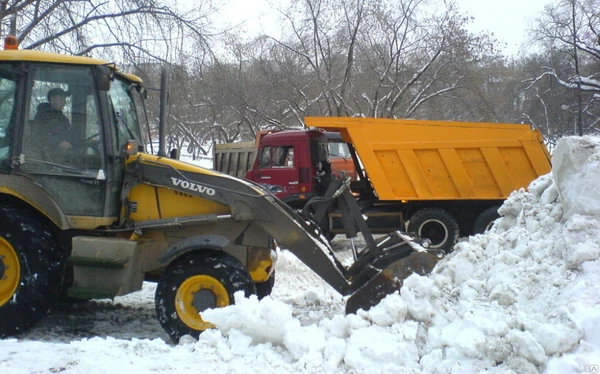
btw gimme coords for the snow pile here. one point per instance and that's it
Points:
(576, 170)
(522, 298)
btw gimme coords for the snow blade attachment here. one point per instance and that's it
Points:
(390, 279)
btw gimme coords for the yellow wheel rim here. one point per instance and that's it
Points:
(196, 294)
(10, 271)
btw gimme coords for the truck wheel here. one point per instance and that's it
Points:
(194, 283)
(485, 219)
(437, 225)
(31, 267)
(264, 289)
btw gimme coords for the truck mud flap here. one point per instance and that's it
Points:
(390, 280)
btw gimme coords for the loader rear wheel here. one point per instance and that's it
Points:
(31, 267)
(437, 225)
(485, 219)
(196, 282)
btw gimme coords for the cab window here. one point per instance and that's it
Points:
(7, 111)
(339, 150)
(265, 158)
(283, 156)
(277, 157)
(62, 122)
(62, 148)
(124, 113)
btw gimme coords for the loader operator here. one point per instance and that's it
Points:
(57, 130)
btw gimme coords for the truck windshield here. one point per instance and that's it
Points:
(124, 113)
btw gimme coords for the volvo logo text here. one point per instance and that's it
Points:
(193, 186)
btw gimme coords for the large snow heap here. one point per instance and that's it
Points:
(522, 298)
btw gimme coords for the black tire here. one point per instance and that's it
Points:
(31, 268)
(264, 289)
(196, 282)
(437, 225)
(485, 219)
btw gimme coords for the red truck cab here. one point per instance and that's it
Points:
(285, 167)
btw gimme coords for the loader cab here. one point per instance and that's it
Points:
(285, 167)
(71, 150)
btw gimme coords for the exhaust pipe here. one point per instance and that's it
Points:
(162, 122)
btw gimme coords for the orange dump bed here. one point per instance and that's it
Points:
(441, 160)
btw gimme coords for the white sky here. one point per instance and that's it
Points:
(508, 20)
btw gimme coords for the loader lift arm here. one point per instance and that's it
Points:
(301, 236)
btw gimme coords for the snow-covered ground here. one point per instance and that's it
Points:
(522, 298)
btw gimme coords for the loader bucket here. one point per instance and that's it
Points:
(389, 280)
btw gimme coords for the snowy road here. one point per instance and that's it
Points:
(133, 316)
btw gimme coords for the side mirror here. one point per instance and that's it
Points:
(103, 76)
(174, 154)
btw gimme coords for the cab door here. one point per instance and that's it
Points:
(74, 175)
(277, 169)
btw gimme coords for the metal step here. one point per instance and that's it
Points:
(105, 267)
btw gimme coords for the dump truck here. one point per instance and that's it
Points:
(87, 212)
(438, 179)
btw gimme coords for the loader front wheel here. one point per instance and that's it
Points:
(437, 225)
(31, 267)
(194, 283)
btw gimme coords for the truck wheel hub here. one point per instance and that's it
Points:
(435, 231)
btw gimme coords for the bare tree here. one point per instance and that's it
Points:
(569, 30)
(365, 58)
(544, 102)
(126, 30)
(344, 58)
(416, 59)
